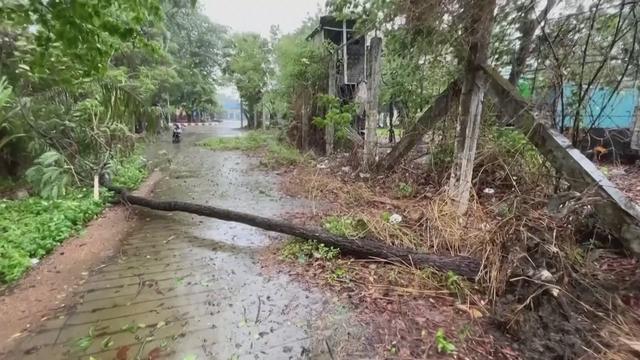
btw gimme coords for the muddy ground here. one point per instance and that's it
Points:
(186, 287)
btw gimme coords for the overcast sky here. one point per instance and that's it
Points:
(259, 15)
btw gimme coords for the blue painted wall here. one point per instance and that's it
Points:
(618, 113)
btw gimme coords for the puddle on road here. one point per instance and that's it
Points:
(186, 287)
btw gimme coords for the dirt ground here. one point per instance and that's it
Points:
(626, 178)
(401, 308)
(594, 316)
(49, 286)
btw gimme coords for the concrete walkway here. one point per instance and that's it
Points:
(187, 287)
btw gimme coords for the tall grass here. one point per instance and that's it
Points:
(276, 152)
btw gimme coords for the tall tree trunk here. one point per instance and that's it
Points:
(478, 25)
(251, 116)
(265, 115)
(373, 92)
(241, 114)
(305, 119)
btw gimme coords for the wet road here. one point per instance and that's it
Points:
(187, 287)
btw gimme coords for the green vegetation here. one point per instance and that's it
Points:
(82, 344)
(443, 345)
(345, 226)
(404, 190)
(338, 274)
(303, 251)
(508, 149)
(276, 153)
(301, 69)
(31, 228)
(337, 114)
(129, 172)
(525, 89)
(248, 68)
(69, 110)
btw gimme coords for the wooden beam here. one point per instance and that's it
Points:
(440, 108)
(617, 213)
(373, 91)
(344, 50)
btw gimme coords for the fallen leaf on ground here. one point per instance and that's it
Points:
(633, 344)
(473, 312)
(122, 353)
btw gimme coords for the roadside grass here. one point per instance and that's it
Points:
(276, 153)
(31, 228)
(383, 133)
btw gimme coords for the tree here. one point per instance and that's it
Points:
(82, 76)
(81, 35)
(248, 66)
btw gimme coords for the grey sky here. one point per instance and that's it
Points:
(259, 15)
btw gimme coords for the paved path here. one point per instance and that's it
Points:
(187, 287)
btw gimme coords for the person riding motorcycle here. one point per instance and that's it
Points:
(177, 131)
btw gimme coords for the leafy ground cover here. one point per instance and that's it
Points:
(31, 228)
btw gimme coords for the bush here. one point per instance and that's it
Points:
(49, 175)
(129, 172)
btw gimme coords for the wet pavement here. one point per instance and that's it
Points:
(188, 287)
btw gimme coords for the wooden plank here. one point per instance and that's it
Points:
(617, 213)
(371, 137)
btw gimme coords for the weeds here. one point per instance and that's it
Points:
(454, 283)
(337, 115)
(338, 273)
(345, 226)
(276, 153)
(382, 227)
(443, 345)
(404, 190)
(82, 344)
(303, 251)
(31, 228)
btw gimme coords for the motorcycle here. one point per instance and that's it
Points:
(177, 132)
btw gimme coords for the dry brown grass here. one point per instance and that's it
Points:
(511, 232)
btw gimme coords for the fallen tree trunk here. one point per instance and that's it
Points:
(617, 213)
(434, 114)
(363, 248)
